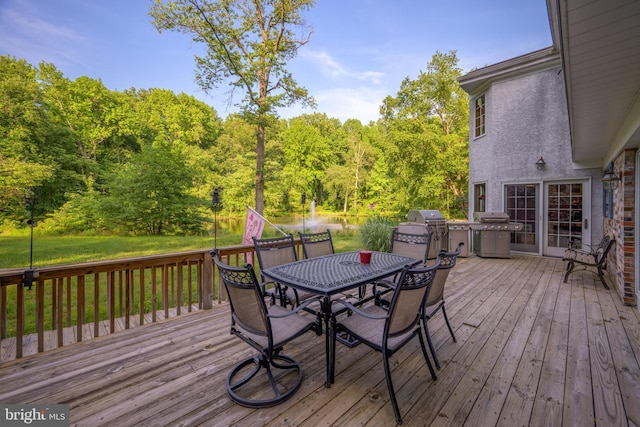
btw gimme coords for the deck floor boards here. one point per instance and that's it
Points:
(530, 351)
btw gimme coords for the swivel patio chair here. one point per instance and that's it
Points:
(389, 330)
(269, 377)
(316, 244)
(272, 253)
(435, 297)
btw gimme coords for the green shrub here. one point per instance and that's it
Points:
(375, 234)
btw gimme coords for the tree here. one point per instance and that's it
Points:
(427, 124)
(307, 154)
(24, 128)
(358, 159)
(248, 43)
(153, 193)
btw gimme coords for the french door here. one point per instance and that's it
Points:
(522, 203)
(567, 206)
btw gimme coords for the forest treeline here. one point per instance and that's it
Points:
(146, 161)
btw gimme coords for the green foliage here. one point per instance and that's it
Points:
(426, 125)
(248, 44)
(23, 131)
(375, 234)
(79, 215)
(152, 194)
(146, 161)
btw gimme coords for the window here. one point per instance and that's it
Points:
(480, 107)
(480, 203)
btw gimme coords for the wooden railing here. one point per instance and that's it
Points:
(72, 303)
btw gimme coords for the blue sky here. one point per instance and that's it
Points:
(360, 50)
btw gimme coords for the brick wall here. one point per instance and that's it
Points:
(621, 262)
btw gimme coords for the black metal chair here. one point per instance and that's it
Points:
(412, 245)
(406, 244)
(435, 297)
(389, 330)
(269, 377)
(594, 256)
(272, 253)
(316, 244)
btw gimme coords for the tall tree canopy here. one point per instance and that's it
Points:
(146, 161)
(248, 44)
(426, 123)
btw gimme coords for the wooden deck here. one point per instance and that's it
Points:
(531, 351)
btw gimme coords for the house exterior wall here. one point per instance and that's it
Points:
(526, 118)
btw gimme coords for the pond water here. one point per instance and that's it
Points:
(294, 224)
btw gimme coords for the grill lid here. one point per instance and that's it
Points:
(493, 217)
(425, 216)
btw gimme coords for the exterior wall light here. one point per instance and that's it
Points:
(609, 178)
(540, 164)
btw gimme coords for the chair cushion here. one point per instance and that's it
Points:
(282, 328)
(285, 327)
(371, 330)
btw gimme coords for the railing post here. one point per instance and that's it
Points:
(19, 319)
(208, 281)
(3, 311)
(80, 301)
(40, 314)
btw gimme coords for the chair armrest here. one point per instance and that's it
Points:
(385, 283)
(269, 282)
(356, 310)
(298, 308)
(388, 286)
(583, 252)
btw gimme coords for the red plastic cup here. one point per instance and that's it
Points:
(365, 257)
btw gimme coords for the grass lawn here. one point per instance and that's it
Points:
(59, 250)
(56, 250)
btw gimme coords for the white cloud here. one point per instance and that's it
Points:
(343, 104)
(351, 103)
(330, 67)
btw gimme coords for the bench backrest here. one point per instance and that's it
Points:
(604, 247)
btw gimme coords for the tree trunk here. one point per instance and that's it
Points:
(346, 201)
(260, 170)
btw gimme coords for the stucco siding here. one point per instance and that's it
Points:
(526, 118)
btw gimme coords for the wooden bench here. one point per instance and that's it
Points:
(596, 257)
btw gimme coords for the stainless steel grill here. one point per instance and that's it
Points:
(432, 221)
(492, 234)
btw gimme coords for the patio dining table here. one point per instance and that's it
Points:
(334, 274)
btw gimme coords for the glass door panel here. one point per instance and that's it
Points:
(522, 206)
(565, 207)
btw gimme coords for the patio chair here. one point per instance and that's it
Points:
(412, 245)
(272, 253)
(594, 256)
(316, 244)
(406, 244)
(435, 297)
(276, 376)
(389, 330)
